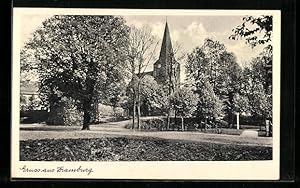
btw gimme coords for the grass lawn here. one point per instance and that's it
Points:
(136, 149)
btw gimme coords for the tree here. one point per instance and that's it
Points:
(153, 95)
(77, 57)
(211, 66)
(255, 30)
(258, 31)
(141, 49)
(254, 88)
(184, 102)
(241, 103)
(209, 105)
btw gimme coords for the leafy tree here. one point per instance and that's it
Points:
(77, 57)
(209, 104)
(213, 66)
(258, 31)
(241, 103)
(153, 95)
(254, 88)
(255, 30)
(184, 101)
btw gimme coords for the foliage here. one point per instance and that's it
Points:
(241, 103)
(29, 103)
(255, 30)
(65, 113)
(257, 86)
(215, 74)
(77, 57)
(137, 149)
(184, 101)
(152, 124)
(33, 116)
(209, 105)
(153, 95)
(258, 77)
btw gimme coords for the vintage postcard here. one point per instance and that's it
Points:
(146, 94)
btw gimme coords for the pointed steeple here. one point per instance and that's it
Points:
(166, 62)
(166, 47)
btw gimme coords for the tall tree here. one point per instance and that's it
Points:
(153, 95)
(184, 102)
(256, 89)
(142, 46)
(257, 31)
(213, 70)
(76, 57)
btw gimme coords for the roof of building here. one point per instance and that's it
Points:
(166, 51)
(28, 88)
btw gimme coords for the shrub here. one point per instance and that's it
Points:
(151, 124)
(190, 123)
(65, 114)
(154, 124)
(223, 131)
(33, 116)
(222, 123)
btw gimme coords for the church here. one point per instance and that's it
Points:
(166, 64)
(165, 70)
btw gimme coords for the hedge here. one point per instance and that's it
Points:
(189, 124)
(34, 116)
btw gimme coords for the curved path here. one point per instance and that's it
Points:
(249, 133)
(117, 129)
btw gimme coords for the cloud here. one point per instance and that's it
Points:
(136, 23)
(157, 29)
(244, 53)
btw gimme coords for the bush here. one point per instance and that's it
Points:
(190, 123)
(33, 116)
(249, 120)
(222, 123)
(65, 114)
(151, 124)
(154, 124)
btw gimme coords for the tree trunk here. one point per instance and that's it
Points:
(139, 106)
(86, 120)
(168, 119)
(182, 124)
(133, 113)
(138, 116)
(175, 117)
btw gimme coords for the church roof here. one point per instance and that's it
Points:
(166, 50)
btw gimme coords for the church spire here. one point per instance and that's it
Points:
(166, 64)
(166, 51)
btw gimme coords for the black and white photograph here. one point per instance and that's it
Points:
(133, 87)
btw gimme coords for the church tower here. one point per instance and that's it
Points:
(166, 64)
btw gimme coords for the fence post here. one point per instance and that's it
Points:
(237, 120)
(267, 128)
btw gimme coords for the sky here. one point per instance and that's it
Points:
(188, 31)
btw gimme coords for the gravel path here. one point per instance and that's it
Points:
(116, 129)
(249, 133)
